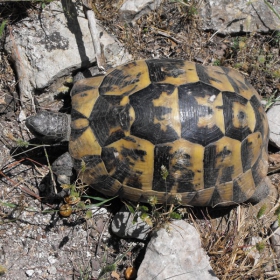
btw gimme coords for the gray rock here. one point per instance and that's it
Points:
(131, 10)
(123, 226)
(273, 116)
(176, 253)
(275, 239)
(239, 16)
(53, 44)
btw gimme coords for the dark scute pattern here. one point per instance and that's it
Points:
(202, 74)
(231, 131)
(131, 139)
(259, 117)
(224, 153)
(237, 85)
(104, 183)
(122, 171)
(98, 122)
(160, 69)
(117, 79)
(134, 180)
(238, 195)
(256, 172)
(89, 161)
(218, 72)
(122, 168)
(78, 88)
(146, 113)
(185, 181)
(198, 89)
(246, 154)
(215, 199)
(163, 157)
(109, 159)
(191, 111)
(210, 170)
(113, 137)
(76, 133)
(135, 154)
(107, 115)
(184, 176)
(226, 174)
(75, 115)
(123, 117)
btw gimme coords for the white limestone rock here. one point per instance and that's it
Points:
(176, 253)
(53, 44)
(239, 16)
(273, 116)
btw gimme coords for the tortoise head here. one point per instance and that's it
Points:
(50, 126)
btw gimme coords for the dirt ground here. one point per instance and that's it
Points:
(37, 243)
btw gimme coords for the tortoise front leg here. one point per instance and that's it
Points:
(62, 171)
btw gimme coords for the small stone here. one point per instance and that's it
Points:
(98, 210)
(88, 254)
(95, 264)
(95, 274)
(29, 272)
(99, 225)
(124, 226)
(131, 10)
(52, 270)
(52, 259)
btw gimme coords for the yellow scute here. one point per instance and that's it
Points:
(85, 145)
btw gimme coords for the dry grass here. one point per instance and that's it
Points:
(238, 243)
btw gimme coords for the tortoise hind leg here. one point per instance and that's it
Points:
(264, 190)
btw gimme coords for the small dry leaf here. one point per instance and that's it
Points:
(115, 275)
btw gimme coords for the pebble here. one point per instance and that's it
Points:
(52, 270)
(52, 259)
(29, 272)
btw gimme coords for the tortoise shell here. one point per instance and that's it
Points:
(204, 125)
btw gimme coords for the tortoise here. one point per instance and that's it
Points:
(204, 126)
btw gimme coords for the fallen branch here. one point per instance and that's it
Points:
(94, 34)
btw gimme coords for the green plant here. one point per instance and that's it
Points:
(191, 5)
(113, 266)
(2, 27)
(276, 37)
(261, 211)
(260, 246)
(271, 100)
(157, 216)
(235, 43)
(217, 62)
